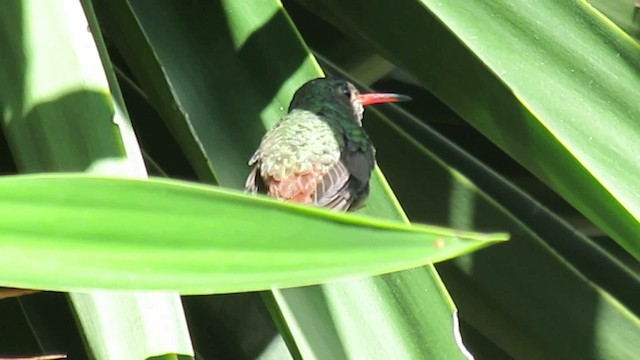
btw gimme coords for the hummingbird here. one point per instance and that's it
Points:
(319, 154)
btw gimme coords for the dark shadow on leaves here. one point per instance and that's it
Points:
(234, 326)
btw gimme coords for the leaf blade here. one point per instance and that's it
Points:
(83, 238)
(509, 53)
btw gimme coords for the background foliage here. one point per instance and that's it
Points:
(523, 120)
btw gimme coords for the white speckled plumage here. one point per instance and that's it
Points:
(299, 142)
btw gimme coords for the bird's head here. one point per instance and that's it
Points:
(321, 92)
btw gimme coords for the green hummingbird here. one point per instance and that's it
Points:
(318, 153)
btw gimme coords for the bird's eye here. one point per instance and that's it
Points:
(346, 92)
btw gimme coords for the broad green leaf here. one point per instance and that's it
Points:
(101, 233)
(180, 66)
(384, 301)
(549, 76)
(228, 73)
(507, 293)
(59, 114)
(428, 169)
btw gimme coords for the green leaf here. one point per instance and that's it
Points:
(60, 114)
(100, 233)
(508, 292)
(230, 69)
(552, 77)
(499, 296)
(203, 99)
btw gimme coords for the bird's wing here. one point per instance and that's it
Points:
(255, 183)
(333, 188)
(346, 185)
(342, 188)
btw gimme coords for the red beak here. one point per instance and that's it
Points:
(380, 98)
